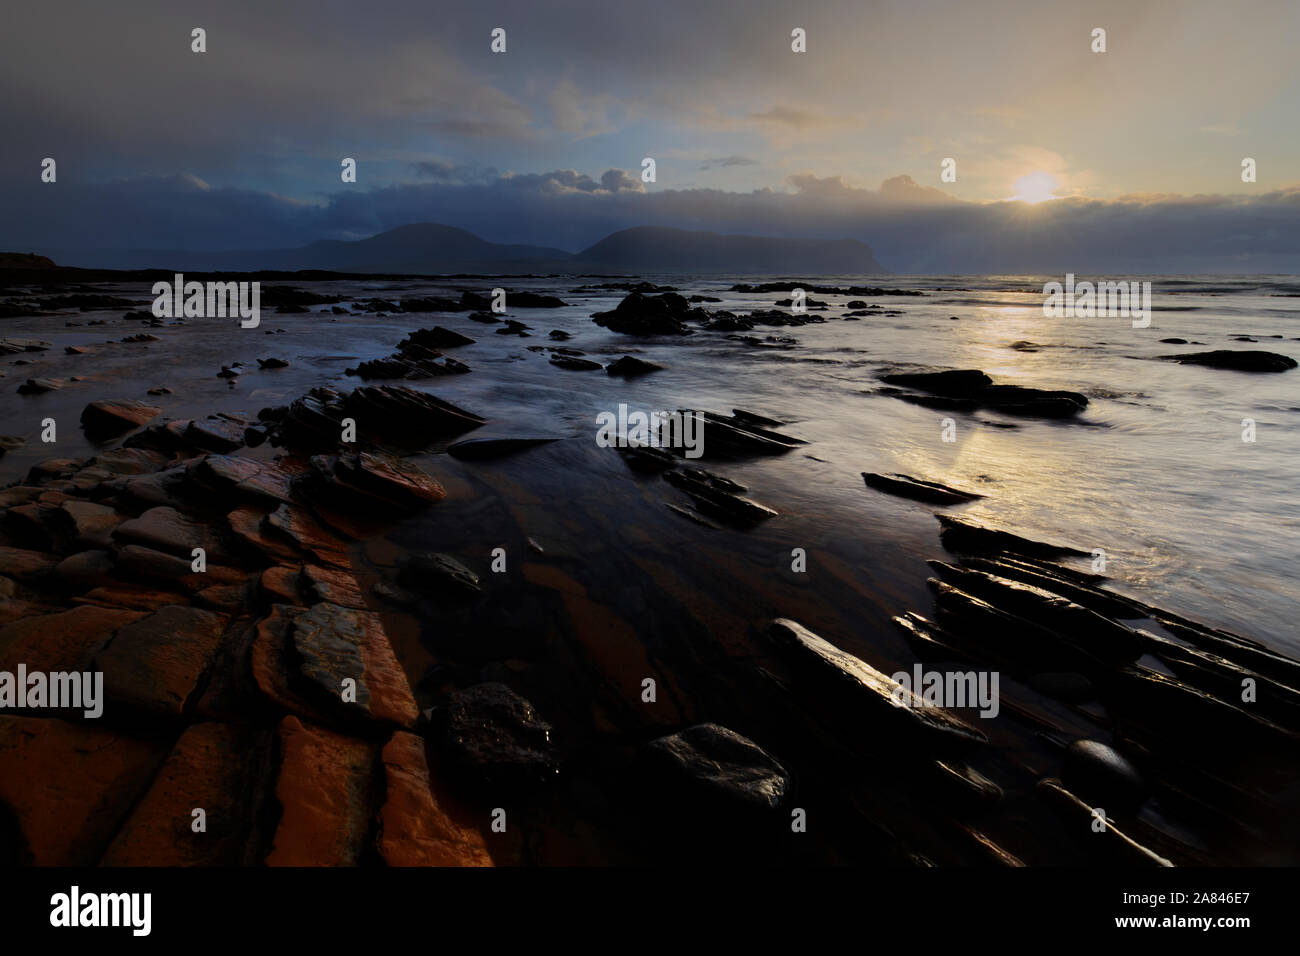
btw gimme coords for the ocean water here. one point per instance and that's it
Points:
(1155, 472)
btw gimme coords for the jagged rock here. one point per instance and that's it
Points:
(444, 575)
(370, 480)
(721, 764)
(141, 337)
(716, 497)
(497, 738)
(156, 663)
(405, 417)
(272, 363)
(559, 335)
(968, 389)
(879, 707)
(418, 827)
(324, 791)
(1248, 360)
(110, 418)
(1080, 819)
(969, 537)
(292, 524)
(629, 366)
(918, 488)
(640, 314)
(533, 300)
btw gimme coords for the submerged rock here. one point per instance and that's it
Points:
(639, 314)
(440, 573)
(629, 366)
(969, 389)
(498, 739)
(721, 764)
(575, 364)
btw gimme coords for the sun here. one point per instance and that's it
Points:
(1036, 187)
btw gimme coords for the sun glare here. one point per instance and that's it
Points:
(1036, 187)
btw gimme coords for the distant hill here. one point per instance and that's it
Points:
(656, 249)
(431, 249)
(25, 260)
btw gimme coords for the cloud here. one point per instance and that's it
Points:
(728, 161)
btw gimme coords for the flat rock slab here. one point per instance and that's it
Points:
(213, 767)
(723, 764)
(163, 529)
(70, 785)
(417, 827)
(67, 641)
(336, 643)
(325, 794)
(155, 664)
(879, 706)
(109, 418)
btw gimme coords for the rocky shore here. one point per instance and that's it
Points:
(275, 695)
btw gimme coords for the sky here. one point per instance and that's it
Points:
(1127, 160)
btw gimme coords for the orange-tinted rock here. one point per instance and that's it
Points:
(246, 522)
(213, 767)
(296, 526)
(325, 793)
(154, 664)
(119, 595)
(334, 586)
(416, 828)
(107, 419)
(71, 785)
(90, 524)
(84, 570)
(163, 529)
(279, 585)
(66, 641)
(136, 561)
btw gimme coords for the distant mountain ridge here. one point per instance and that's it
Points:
(431, 249)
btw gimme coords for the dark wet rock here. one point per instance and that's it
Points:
(559, 335)
(435, 338)
(1174, 341)
(717, 497)
(1240, 361)
(533, 300)
(575, 364)
(964, 783)
(228, 373)
(918, 488)
(110, 418)
(497, 738)
(9, 442)
(403, 416)
(728, 322)
(486, 318)
(277, 295)
(511, 327)
(648, 459)
(640, 314)
(744, 418)
(84, 570)
(141, 337)
(783, 318)
(629, 366)
(968, 389)
(39, 386)
(482, 449)
(272, 363)
(970, 537)
(73, 350)
(441, 574)
(1063, 581)
(159, 390)
(692, 516)
(868, 699)
(1089, 631)
(1102, 776)
(721, 765)
(809, 303)
(364, 483)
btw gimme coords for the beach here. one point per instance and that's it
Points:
(501, 605)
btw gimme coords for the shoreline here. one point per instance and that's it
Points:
(227, 690)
